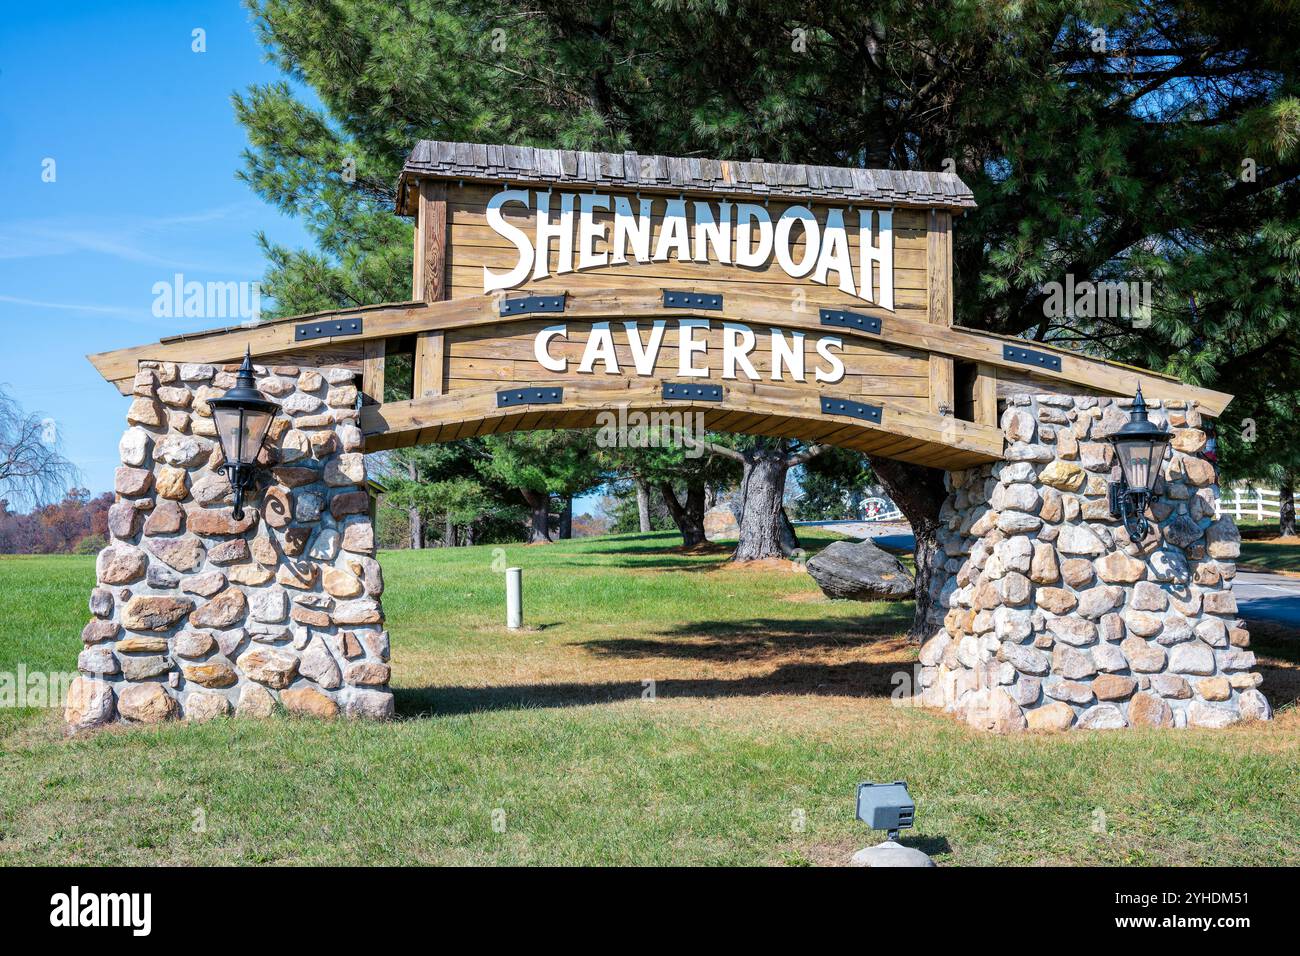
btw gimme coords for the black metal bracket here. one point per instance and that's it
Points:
(685, 391)
(327, 329)
(674, 299)
(1115, 491)
(850, 320)
(1130, 507)
(525, 305)
(530, 396)
(1013, 353)
(242, 476)
(851, 409)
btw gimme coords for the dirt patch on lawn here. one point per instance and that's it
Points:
(806, 597)
(1265, 569)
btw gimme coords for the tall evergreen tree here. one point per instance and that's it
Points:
(833, 485)
(682, 474)
(539, 465)
(1103, 139)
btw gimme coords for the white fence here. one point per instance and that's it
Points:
(872, 509)
(880, 509)
(1258, 503)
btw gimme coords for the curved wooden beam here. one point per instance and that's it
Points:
(761, 408)
(275, 341)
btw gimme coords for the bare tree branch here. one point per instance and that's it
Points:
(722, 450)
(33, 470)
(806, 455)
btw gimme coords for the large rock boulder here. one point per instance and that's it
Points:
(720, 522)
(860, 571)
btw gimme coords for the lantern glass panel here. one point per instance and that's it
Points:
(1140, 461)
(241, 431)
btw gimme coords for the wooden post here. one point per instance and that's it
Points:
(430, 365)
(985, 397)
(941, 386)
(430, 285)
(939, 262)
(372, 373)
(429, 281)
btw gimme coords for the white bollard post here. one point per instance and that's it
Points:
(514, 597)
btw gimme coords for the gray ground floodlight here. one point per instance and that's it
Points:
(886, 806)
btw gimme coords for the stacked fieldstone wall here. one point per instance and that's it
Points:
(197, 615)
(1053, 618)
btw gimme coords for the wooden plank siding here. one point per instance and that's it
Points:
(273, 341)
(472, 245)
(936, 385)
(757, 408)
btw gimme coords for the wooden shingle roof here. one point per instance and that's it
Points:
(576, 169)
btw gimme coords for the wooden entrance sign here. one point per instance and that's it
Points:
(550, 286)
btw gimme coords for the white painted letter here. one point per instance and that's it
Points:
(674, 234)
(812, 241)
(541, 348)
(710, 233)
(688, 345)
(784, 354)
(824, 346)
(546, 231)
(882, 255)
(745, 256)
(737, 343)
(631, 230)
(645, 356)
(589, 231)
(516, 236)
(835, 253)
(600, 345)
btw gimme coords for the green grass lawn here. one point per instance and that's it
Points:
(544, 746)
(1278, 555)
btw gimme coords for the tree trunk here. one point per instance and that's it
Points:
(643, 504)
(448, 532)
(566, 519)
(539, 518)
(1286, 505)
(416, 523)
(789, 540)
(765, 531)
(919, 493)
(689, 517)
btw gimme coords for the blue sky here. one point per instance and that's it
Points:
(145, 149)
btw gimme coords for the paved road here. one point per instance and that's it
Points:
(890, 535)
(1260, 597)
(1268, 597)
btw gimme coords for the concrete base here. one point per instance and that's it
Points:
(890, 853)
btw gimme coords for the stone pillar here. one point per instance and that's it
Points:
(197, 615)
(1054, 618)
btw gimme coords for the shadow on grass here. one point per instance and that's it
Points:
(1274, 641)
(652, 543)
(852, 679)
(755, 638)
(653, 561)
(929, 845)
(711, 555)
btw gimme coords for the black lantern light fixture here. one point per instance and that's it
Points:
(243, 417)
(1140, 447)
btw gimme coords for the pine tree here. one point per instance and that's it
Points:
(1102, 139)
(541, 464)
